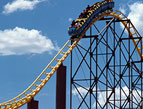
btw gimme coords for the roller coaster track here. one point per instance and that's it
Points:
(30, 92)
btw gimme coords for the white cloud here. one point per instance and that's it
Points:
(81, 90)
(102, 95)
(123, 95)
(70, 19)
(19, 5)
(20, 41)
(136, 15)
(123, 10)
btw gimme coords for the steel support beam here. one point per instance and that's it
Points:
(109, 68)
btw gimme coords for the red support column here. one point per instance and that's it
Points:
(61, 88)
(33, 104)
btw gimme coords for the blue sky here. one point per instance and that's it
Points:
(31, 33)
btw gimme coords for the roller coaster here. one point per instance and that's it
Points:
(77, 34)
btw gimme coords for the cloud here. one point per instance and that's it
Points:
(117, 90)
(70, 19)
(20, 5)
(81, 90)
(136, 15)
(123, 10)
(20, 41)
(102, 95)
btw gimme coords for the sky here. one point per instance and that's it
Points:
(32, 32)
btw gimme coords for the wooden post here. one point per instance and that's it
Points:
(61, 88)
(33, 104)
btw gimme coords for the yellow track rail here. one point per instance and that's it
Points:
(30, 92)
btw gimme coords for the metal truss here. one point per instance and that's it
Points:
(106, 69)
